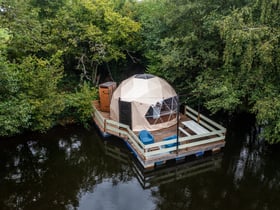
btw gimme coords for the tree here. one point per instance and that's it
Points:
(224, 53)
(42, 41)
(14, 113)
(21, 20)
(249, 76)
(29, 96)
(91, 33)
(182, 41)
(39, 86)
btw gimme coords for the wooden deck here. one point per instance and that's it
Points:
(197, 135)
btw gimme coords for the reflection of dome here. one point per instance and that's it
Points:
(144, 101)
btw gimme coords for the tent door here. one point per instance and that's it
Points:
(125, 113)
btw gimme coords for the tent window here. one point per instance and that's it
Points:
(162, 111)
(144, 76)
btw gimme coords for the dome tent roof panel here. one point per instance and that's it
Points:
(148, 90)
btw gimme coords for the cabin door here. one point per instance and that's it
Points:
(125, 113)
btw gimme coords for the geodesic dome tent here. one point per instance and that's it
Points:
(144, 102)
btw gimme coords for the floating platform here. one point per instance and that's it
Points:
(193, 135)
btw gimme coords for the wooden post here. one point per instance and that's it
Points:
(178, 113)
(198, 116)
(104, 125)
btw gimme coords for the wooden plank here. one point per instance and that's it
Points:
(163, 151)
(198, 136)
(135, 137)
(115, 130)
(113, 122)
(118, 124)
(128, 132)
(125, 131)
(184, 131)
(160, 152)
(198, 129)
(184, 139)
(206, 125)
(161, 143)
(99, 117)
(204, 118)
(199, 143)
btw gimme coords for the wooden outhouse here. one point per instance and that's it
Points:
(105, 94)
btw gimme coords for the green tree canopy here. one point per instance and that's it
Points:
(249, 76)
(90, 33)
(28, 95)
(225, 53)
(41, 44)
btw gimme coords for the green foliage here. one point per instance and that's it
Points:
(39, 81)
(30, 99)
(78, 105)
(4, 38)
(182, 61)
(37, 40)
(249, 76)
(21, 20)
(90, 33)
(268, 115)
(151, 16)
(29, 95)
(225, 53)
(179, 43)
(14, 111)
(15, 115)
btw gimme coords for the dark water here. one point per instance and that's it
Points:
(72, 168)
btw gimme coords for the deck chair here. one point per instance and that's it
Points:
(146, 137)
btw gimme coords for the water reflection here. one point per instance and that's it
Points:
(165, 174)
(120, 196)
(71, 168)
(65, 169)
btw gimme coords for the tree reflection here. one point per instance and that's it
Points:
(248, 179)
(52, 171)
(56, 170)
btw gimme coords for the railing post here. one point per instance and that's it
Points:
(178, 113)
(198, 115)
(104, 125)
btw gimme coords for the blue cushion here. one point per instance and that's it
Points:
(146, 137)
(169, 138)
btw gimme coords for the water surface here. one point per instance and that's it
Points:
(72, 168)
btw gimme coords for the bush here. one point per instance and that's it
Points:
(78, 108)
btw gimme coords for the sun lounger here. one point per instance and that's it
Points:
(146, 137)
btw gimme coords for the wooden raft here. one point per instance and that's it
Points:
(197, 135)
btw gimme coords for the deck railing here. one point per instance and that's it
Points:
(122, 130)
(204, 121)
(216, 133)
